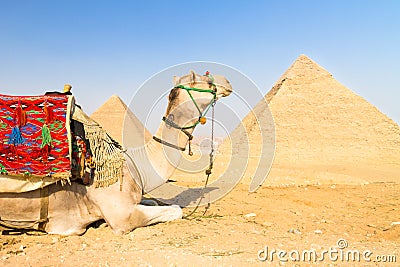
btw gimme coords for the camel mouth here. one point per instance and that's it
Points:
(225, 91)
(228, 92)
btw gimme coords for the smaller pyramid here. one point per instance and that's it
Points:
(116, 118)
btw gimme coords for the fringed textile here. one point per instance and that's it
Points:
(107, 153)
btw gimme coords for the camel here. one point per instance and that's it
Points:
(72, 207)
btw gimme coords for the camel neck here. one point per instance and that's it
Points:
(154, 163)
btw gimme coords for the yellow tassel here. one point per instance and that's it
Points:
(203, 120)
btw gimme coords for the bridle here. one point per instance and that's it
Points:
(201, 119)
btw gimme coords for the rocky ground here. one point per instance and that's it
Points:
(237, 231)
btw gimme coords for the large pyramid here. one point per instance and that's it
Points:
(117, 119)
(325, 133)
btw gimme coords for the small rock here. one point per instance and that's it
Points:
(131, 236)
(267, 224)
(257, 232)
(318, 232)
(250, 215)
(54, 240)
(333, 186)
(294, 231)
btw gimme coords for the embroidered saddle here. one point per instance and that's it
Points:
(45, 139)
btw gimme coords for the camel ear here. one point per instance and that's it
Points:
(192, 77)
(175, 80)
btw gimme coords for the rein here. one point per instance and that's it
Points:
(208, 171)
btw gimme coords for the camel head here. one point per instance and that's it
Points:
(193, 95)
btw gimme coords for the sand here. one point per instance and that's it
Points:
(286, 218)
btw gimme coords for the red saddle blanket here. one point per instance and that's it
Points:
(34, 135)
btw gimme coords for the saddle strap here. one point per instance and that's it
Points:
(44, 208)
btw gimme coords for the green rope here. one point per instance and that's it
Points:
(195, 89)
(194, 101)
(210, 77)
(201, 114)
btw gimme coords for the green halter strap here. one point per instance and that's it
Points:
(201, 114)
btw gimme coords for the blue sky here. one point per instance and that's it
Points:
(112, 47)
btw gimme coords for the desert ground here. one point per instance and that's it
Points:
(233, 231)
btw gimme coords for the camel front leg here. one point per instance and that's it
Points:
(157, 214)
(122, 222)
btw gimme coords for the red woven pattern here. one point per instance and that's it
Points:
(25, 145)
